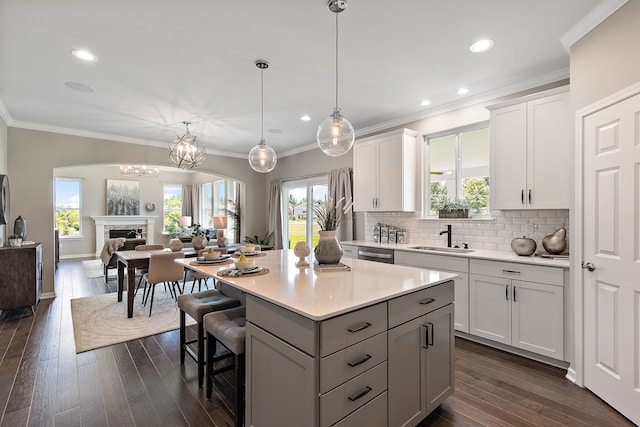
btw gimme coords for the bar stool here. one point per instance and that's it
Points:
(228, 328)
(197, 305)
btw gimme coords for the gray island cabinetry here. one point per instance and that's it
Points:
(372, 346)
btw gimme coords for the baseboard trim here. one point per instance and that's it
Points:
(47, 295)
(571, 375)
(91, 255)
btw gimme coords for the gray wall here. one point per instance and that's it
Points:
(32, 156)
(606, 60)
(3, 168)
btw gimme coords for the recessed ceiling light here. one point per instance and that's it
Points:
(305, 118)
(462, 91)
(84, 55)
(481, 45)
(425, 103)
(80, 87)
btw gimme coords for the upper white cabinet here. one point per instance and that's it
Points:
(531, 152)
(384, 171)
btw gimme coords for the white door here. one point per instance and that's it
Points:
(611, 241)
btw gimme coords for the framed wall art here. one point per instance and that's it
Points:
(123, 197)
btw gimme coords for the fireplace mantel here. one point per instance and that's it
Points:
(105, 221)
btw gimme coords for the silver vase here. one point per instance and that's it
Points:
(328, 250)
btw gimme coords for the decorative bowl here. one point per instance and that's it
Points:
(211, 255)
(240, 265)
(247, 248)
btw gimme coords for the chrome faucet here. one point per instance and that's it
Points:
(448, 233)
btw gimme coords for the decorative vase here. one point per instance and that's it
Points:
(523, 246)
(199, 242)
(555, 243)
(328, 250)
(20, 227)
(175, 245)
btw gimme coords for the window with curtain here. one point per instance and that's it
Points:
(457, 167)
(68, 200)
(172, 208)
(298, 198)
(216, 197)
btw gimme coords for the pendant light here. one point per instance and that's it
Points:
(335, 134)
(262, 158)
(186, 152)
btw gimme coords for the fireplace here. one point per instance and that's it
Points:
(117, 224)
(127, 233)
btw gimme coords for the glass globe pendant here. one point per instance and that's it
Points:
(335, 135)
(262, 158)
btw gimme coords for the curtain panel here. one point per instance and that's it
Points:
(341, 185)
(275, 213)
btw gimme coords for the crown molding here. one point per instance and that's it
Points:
(4, 114)
(591, 20)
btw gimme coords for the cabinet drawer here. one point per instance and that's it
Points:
(433, 262)
(352, 361)
(349, 251)
(416, 304)
(373, 414)
(353, 394)
(342, 331)
(511, 270)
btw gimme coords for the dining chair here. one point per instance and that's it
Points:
(143, 271)
(163, 269)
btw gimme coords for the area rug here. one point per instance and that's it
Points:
(101, 320)
(93, 268)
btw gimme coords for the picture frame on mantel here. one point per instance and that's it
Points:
(123, 197)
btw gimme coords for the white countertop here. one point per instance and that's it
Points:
(321, 295)
(476, 254)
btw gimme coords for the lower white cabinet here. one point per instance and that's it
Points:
(508, 308)
(349, 251)
(420, 366)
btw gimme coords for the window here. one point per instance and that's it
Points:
(68, 196)
(458, 168)
(172, 209)
(215, 198)
(298, 198)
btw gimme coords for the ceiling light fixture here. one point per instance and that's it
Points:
(425, 103)
(186, 152)
(305, 117)
(84, 55)
(335, 134)
(462, 91)
(139, 171)
(481, 46)
(262, 158)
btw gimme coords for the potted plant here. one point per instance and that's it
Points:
(257, 240)
(15, 240)
(457, 208)
(328, 250)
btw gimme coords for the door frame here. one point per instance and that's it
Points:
(575, 373)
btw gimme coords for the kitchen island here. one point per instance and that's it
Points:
(370, 346)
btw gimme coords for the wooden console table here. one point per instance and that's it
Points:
(20, 276)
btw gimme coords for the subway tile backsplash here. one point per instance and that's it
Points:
(490, 234)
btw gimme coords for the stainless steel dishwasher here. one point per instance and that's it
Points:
(376, 254)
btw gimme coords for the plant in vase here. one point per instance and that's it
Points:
(458, 208)
(328, 250)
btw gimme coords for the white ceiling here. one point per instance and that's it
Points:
(164, 62)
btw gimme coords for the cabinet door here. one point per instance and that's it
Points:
(508, 134)
(549, 158)
(537, 318)
(390, 174)
(461, 299)
(490, 308)
(407, 372)
(439, 356)
(284, 394)
(365, 170)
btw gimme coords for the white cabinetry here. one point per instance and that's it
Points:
(349, 251)
(451, 264)
(420, 354)
(519, 305)
(531, 152)
(384, 171)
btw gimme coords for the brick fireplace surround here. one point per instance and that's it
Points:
(120, 222)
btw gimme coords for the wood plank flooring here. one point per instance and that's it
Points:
(43, 382)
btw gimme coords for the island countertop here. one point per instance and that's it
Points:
(322, 295)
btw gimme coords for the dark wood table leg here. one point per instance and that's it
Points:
(120, 280)
(131, 288)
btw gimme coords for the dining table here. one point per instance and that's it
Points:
(128, 261)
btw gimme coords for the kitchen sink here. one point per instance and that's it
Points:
(442, 249)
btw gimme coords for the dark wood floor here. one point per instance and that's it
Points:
(43, 382)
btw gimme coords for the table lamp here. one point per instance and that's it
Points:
(184, 221)
(220, 224)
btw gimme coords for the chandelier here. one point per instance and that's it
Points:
(186, 152)
(262, 158)
(335, 134)
(139, 171)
